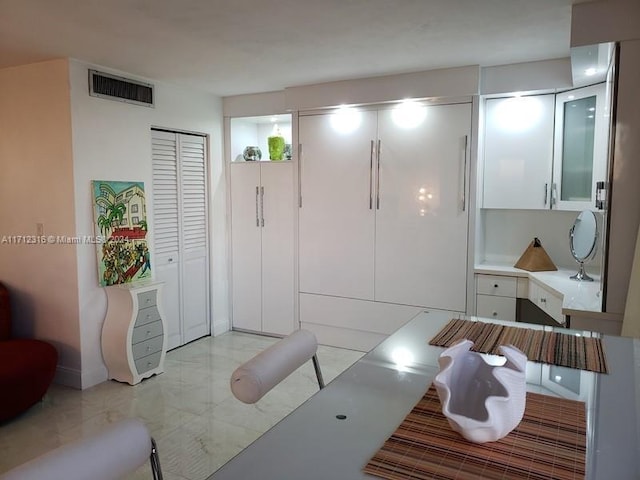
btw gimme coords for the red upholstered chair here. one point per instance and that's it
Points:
(27, 366)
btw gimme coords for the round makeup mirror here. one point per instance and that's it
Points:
(583, 237)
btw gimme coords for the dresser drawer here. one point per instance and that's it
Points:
(146, 332)
(490, 306)
(147, 299)
(496, 285)
(147, 315)
(547, 301)
(147, 347)
(147, 363)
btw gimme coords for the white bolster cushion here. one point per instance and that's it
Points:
(253, 379)
(116, 451)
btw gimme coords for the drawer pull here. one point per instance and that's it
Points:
(148, 332)
(495, 314)
(543, 300)
(148, 348)
(495, 285)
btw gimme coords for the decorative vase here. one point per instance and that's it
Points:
(276, 145)
(252, 154)
(482, 402)
(287, 151)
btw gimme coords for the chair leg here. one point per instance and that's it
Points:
(154, 459)
(316, 366)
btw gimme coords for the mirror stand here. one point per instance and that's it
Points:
(581, 275)
(583, 237)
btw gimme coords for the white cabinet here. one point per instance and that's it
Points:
(134, 341)
(547, 300)
(545, 151)
(580, 157)
(180, 233)
(422, 210)
(496, 297)
(518, 152)
(262, 246)
(384, 212)
(337, 214)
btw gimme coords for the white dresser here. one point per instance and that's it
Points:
(134, 342)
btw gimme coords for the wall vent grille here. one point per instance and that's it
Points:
(121, 89)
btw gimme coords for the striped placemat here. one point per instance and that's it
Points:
(549, 443)
(555, 348)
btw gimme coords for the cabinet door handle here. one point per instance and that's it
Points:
(378, 177)
(257, 211)
(371, 176)
(464, 175)
(299, 175)
(495, 285)
(546, 191)
(262, 205)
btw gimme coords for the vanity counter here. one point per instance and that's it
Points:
(576, 297)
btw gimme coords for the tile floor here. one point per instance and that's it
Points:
(196, 421)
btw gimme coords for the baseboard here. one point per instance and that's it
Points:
(69, 377)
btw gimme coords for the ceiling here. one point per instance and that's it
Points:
(231, 47)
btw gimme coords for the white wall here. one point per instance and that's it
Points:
(112, 141)
(507, 233)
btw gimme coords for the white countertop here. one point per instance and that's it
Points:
(577, 296)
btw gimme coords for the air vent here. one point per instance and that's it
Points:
(121, 89)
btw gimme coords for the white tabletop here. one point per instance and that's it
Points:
(377, 392)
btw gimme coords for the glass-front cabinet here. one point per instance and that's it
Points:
(580, 147)
(537, 158)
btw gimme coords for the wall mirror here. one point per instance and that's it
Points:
(583, 237)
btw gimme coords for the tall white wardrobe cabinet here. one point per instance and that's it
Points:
(180, 226)
(262, 246)
(383, 218)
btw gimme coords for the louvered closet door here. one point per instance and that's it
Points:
(180, 233)
(195, 270)
(166, 229)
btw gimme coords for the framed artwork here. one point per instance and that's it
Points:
(120, 221)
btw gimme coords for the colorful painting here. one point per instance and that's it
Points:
(120, 216)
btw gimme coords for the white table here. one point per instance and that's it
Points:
(377, 392)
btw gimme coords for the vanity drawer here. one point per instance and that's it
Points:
(147, 315)
(147, 347)
(496, 285)
(146, 332)
(147, 299)
(147, 363)
(547, 301)
(491, 306)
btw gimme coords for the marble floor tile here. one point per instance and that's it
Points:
(189, 409)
